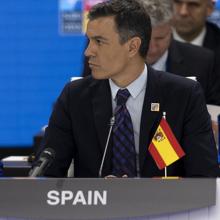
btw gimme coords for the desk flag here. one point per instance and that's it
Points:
(164, 147)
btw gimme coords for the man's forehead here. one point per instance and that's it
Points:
(162, 27)
(100, 26)
(161, 30)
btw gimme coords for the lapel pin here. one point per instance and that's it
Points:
(155, 107)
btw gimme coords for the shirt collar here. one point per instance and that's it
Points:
(134, 88)
(196, 41)
(161, 63)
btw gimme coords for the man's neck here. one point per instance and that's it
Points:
(196, 39)
(126, 78)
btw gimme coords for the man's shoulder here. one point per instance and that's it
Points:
(171, 81)
(191, 50)
(212, 28)
(173, 88)
(84, 87)
(84, 83)
(212, 38)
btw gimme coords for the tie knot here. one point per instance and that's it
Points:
(122, 96)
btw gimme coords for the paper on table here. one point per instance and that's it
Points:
(15, 158)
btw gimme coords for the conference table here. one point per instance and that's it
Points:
(124, 199)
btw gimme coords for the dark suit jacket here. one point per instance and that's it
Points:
(189, 60)
(79, 126)
(212, 37)
(212, 42)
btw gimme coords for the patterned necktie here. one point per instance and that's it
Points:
(124, 156)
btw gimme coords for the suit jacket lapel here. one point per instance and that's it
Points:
(175, 59)
(149, 119)
(102, 111)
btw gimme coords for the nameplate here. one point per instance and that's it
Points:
(102, 198)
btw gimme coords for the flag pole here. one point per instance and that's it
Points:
(164, 115)
(165, 169)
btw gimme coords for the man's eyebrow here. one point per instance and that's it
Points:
(99, 38)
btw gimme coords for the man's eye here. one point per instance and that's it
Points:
(98, 41)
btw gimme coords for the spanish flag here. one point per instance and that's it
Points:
(164, 146)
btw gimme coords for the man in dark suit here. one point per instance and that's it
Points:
(190, 23)
(179, 58)
(190, 26)
(79, 124)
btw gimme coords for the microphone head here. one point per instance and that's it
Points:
(45, 160)
(48, 154)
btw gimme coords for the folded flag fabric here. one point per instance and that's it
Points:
(164, 147)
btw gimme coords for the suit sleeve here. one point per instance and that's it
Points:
(198, 139)
(58, 136)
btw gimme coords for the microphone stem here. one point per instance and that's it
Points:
(112, 121)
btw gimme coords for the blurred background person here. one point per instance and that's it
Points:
(191, 25)
(179, 58)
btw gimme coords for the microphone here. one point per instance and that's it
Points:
(112, 122)
(44, 161)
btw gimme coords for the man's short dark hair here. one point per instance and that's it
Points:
(131, 20)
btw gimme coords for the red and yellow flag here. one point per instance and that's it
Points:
(164, 146)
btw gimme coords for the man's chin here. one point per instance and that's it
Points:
(184, 29)
(98, 75)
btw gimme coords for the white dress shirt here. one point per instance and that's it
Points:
(161, 64)
(134, 105)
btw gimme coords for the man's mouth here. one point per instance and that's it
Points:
(93, 64)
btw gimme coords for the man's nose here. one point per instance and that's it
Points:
(89, 51)
(183, 9)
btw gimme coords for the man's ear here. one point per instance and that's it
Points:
(210, 7)
(134, 46)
